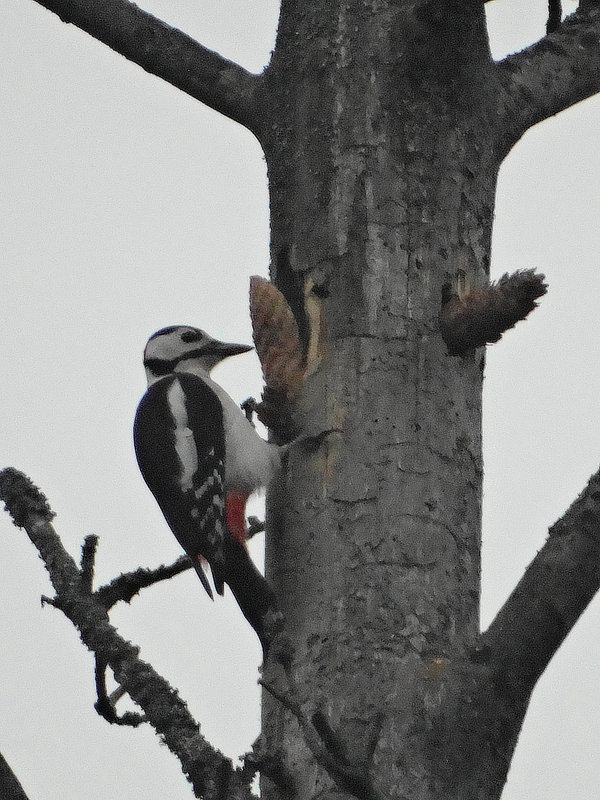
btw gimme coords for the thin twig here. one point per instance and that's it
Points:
(354, 779)
(255, 525)
(209, 771)
(105, 705)
(126, 586)
(554, 16)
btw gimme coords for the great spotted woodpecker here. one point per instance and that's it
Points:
(201, 459)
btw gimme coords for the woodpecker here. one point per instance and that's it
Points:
(201, 459)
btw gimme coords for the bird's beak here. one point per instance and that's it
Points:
(225, 349)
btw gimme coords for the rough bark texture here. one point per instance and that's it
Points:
(551, 75)
(376, 555)
(210, 773)
(384, 125)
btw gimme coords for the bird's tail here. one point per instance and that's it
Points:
(198, 566)
(253, 594)
(218, 579)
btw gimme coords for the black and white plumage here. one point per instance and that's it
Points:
(180, 450)
(201, 459)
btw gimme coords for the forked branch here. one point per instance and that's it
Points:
(126, 586)
(209, 771)
(557, 72)
(551, 596)
(167, 53)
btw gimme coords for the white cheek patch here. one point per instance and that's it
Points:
(185, 445)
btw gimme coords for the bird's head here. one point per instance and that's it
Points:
(186, 349)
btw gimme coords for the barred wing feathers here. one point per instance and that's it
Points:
(180, 449)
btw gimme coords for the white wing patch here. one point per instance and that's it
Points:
(185, 446)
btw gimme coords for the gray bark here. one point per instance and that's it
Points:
(376, 558)
(551, 75)
(384, 136)
(384, 125)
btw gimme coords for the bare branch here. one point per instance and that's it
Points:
(167, 53)
(551, 596)
(209, 771)
(551, 75)
(251, 591)
(127, 585)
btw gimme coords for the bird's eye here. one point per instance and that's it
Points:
(191, 336)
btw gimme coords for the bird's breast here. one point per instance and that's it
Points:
(250, 462)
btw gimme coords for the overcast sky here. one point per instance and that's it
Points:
(127, 206)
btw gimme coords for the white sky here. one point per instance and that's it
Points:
(126, 206)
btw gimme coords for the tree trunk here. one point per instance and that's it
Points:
(382, 176)
(384, 125)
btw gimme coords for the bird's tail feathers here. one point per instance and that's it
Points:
(218, 579)
(253, 594)
(203, 579)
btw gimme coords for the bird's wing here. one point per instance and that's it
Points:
(180, 448)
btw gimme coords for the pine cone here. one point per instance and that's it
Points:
(483, 315)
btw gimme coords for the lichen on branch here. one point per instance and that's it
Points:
(21, 498)
(208, 770)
